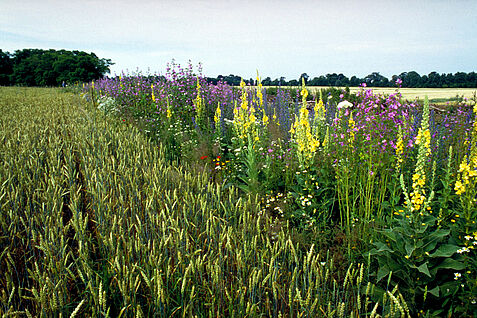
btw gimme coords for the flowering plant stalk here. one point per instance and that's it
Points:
(465, 185)
(415, 252)
(246, 140)
(301, 133)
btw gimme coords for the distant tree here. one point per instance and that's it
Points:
(293, 83)
(434, 80)
(409, 79)
(375, 79)
(313, 82)
(34, 67)
(412, 79)
(354, 81)
(424, 82)
(472, 80)
(267, 81)
(343, 80)
(6, 68)
(460, 79)
(322, 81)
(332, 79)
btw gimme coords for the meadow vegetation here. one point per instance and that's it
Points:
(170, 196)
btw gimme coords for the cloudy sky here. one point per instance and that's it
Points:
(277, 38)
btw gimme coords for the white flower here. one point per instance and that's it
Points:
(344, 104)
(457, 276)
(468, 237)
(462, 250)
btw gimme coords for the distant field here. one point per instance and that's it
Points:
(434, 94)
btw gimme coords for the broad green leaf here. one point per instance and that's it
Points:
(390, 235)
(434, 291)
(446, 250)
(409, 248)
(382, 272)
(423, 269)
(439, 234)
(422, 229)
(448, 263)
(381, 247)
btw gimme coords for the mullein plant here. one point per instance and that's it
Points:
(414, 252)
(306, 145)
(301, 133)
(245, 141)
(201, 110)
(466, 179)
(319, 117)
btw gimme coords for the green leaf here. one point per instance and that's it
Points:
(382, 272)
(446, 250)
(434, 291)
(390, 234)
(439, 234)
(381, 247)
(422, 229)
(409, 248)
(423, 269)
(432, 239)
(449, 263)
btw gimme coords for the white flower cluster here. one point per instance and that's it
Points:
(344, 104)
(306, 200)
(107, 105)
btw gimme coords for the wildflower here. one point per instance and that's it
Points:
(301, 132)
(344, 104)
(217, 117)
(457, 276)
(152, 93)
(423, 139)
(203, 157)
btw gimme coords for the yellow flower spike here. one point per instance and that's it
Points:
(304, 91)
(259, 91)
(265, 119)
(152, 93)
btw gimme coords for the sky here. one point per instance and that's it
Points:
(276, 38)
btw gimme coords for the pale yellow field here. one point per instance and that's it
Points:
(413, 93)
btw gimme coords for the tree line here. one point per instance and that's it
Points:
(36, 67)
(409, 79)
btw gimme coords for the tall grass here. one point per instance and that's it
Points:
(96, 222)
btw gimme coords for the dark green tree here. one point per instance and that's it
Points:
(6, 68)
(35, 67)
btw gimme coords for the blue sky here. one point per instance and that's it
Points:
(277, 38)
